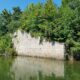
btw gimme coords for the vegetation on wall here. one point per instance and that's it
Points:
(46, 21)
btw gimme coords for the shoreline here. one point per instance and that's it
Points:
(28, 56)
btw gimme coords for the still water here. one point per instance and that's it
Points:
(23, 68)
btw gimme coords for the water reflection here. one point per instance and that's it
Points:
(37, 69)
(22, 68)
(72, 70)
(5, 65)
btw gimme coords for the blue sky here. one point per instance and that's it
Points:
(8, 4)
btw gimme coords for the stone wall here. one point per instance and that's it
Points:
(30, 46)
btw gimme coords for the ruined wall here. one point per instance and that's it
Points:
(30, 46)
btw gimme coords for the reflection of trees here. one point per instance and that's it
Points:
(45, 77)
(5, 64)
(72, 71)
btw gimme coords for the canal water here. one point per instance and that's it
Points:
(25, 68)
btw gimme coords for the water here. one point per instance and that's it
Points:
(23, 68)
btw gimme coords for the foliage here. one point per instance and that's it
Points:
(9, 22)
(46, 21)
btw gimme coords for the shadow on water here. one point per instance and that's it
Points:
(23, 68)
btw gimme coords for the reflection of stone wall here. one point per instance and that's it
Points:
(23, 68)
(27, 45)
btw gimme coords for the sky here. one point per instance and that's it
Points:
(9, 4)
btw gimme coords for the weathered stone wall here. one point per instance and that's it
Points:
(30, 46)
